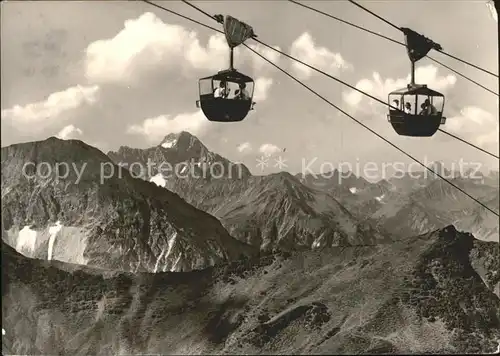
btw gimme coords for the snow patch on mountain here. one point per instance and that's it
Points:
(53, 230)
(159, 180)
(26, 240)
(168, 144)
(171, 244)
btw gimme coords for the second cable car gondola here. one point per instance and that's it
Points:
(227, 96)
(410, 119)
(416, 110)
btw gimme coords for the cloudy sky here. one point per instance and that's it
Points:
(125, 73)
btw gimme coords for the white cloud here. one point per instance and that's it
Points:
(259, 63)
(303, 48)
(147, 43)
(269, 149)
(69, 132)
(380, 88)
(245, 147)
(476, 125)
(154, 129)
(30, 116)
(262, 86)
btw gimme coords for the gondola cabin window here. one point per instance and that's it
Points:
(206, 87)
(418, 104)
(233, 90)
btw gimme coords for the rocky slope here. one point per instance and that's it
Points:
(426, 294)
(356, 193)
(91, 212)
(268, 212)
(277, 211)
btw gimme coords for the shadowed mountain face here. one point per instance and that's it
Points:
(358, 195)
(307, 211)
(89, 211)
(275, 211)
(426, 294)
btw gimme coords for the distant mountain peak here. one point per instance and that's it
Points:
(181, 140)
(182, 148)
(169, 141)
(283, 176)
(54, 149)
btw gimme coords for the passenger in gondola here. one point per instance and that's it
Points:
(408, 108)
(431, 110)
(424, 109)
(222, 91)
(395, 103)
(242, 93)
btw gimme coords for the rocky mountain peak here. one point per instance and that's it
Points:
(182, 152)
(182, 141)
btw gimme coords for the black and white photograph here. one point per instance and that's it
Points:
(253, 177)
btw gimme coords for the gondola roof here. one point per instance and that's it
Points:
(417, 90)
(230, 75)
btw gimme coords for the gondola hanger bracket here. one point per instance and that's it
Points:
(219, 18)
(418, 45)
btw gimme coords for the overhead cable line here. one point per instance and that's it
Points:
(346, 22)
(391, 40)
(361, 91)
(328, 75)
(440, 50)
(338, 80)
(321, 97)
(374, 14)
(468, 143)
(402, 44)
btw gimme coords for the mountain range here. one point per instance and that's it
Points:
(409, 204)
(268, 212)
(417, 203)
(176, 249)
(92, 212)
(433, 293)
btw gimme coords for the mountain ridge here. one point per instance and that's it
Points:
(272, 211)
(165, 158)
(425, 294)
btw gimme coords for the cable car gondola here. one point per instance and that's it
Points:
(227, 96)
(405, 115)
